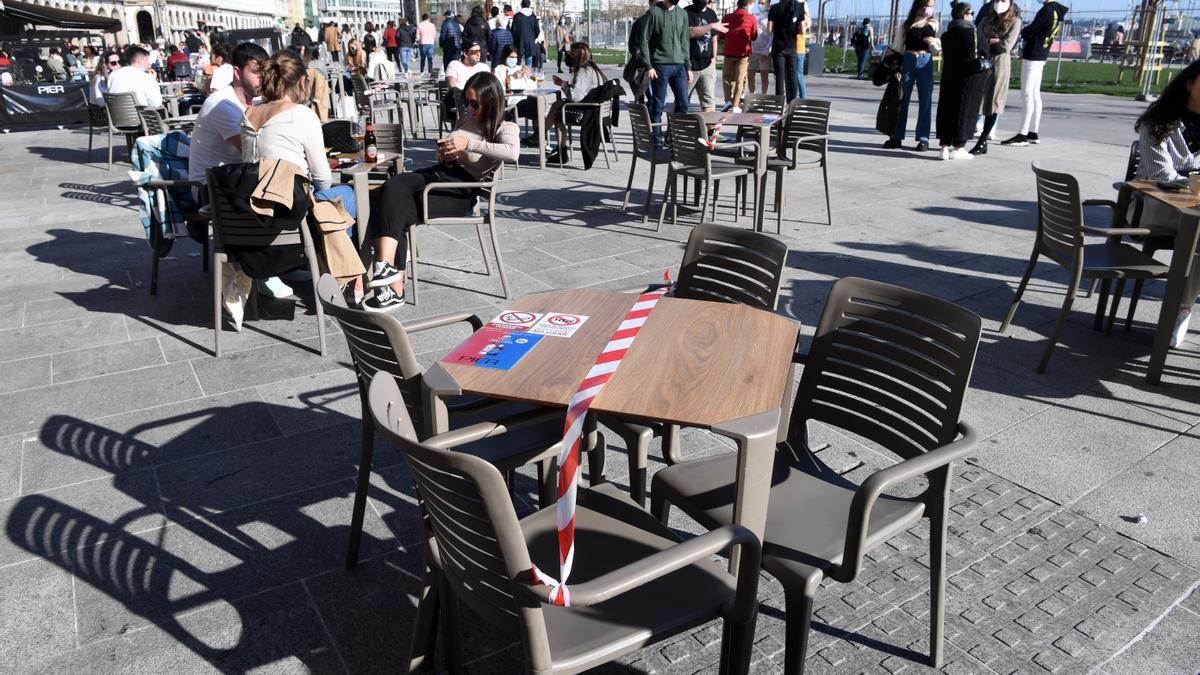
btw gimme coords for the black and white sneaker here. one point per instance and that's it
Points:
(1033, 137)
(384, 300)
(1018, 141)
(383, 274)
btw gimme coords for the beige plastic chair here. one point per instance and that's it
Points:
(634, 582)
(371, 103)
(152, 121)
(487, 192)
(232, 227)
(720, 264)
(888, 365)
(1059, 237)
(389, 138)
(123, 120)
(691, 159)
(644, 149)
(379, 343)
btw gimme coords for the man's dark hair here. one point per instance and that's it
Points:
(55, 50)
(495, 11)
(247, 52)
(223, 51)
(743, 4)
(524, 4)
(133, 53)
(468, 45)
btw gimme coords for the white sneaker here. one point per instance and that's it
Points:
(736, 110)
(275, 288)
(234, 292)
(945, 152)
(961, 153)
(1182, 321)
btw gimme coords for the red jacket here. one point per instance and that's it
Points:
(743, 29)
(389, 36)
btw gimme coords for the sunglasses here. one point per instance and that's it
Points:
(474, 104)
(114, 63)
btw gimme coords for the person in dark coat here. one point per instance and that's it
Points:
(962, 89)
(525, 31)
(476, 29)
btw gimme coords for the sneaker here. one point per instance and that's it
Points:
(384, 300)
(1018, 141)
(1033, 137)
(383, 274)
(1182, 321)
(961, 153)
(945, 152)
(922, 146)
(891, 144)
(274, 287)
(530, 141)
(735, 110)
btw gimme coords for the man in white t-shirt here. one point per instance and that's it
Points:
(222, 74)
(137, 79)
(216, 138)
(461, 70)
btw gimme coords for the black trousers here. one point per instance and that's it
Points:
(398, 206)
(562, 53)
(393, 54)
(785, 75)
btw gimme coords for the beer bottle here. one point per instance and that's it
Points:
(508, 81)
(370, 146)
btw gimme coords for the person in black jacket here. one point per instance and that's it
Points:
(962, 85)
(476, 29)
(525, 31)
(1038, 36)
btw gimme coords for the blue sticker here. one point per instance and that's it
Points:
(504, 352)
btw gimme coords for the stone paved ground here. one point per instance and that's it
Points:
(163, 509)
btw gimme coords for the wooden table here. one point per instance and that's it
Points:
(1187, 234)
(540, 95)
(717, 366)
(752, 121)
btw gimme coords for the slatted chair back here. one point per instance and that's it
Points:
(183, 70)
(729, 264)
(361, 98)
(235, 227)
(1060, 215)
(807, 117)
(890, 365)
(477, 539)
(1135, 159)
(122, 111)
(389, 138)
(688, 134)
(152, 121)
(97, 116)
(642, 131)
(767, 104)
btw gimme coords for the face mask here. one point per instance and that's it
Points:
(701, 4)
(511, 63)
(1001, 7)
(928, 11)
(354, 50)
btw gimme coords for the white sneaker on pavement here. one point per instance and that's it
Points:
(1182, 322)
(961, 153)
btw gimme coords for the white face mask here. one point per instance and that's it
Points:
(511, 63)
(1001, 7)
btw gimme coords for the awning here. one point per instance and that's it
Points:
(57, 18)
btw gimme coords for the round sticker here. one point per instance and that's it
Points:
(516, 317)
(563, 320)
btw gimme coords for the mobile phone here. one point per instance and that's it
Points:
(1170, 185)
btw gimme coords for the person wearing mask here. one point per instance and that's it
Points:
(333, 42)
(406, 39)
(222, 74)
(108, 64)
(862, 40)
(585, 76)
(511, 69)
(785, 22)
(499, 40)
(998, 34)
(702, 23)
(480, 142)
(426, 36)
(461, 70)
(450, 40)
(667, 57)
(136, 78)
(761, 64)
(476, 29)
(217, 134)
(55, 70)
(562, 41)
(356, 58)
(919, 33)
(1037, 38)
(962, 84)
(525, 29)
(741, 32)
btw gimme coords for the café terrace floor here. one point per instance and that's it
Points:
(163, 510)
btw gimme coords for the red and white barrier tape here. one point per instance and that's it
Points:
(569, 458)
(711, 142)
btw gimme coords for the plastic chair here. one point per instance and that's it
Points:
(152, 121)
(691, 158)
(644, 149)
(379, 343)
(97, 119)
(626, 569)
(371, 102)
(237, 228)
(1059, 237)
(720, 264)
(123, 118)
(603, 111)
(804, 145)
(889, 365)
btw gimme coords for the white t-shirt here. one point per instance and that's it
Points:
(222, 77)
(142, 84)
(457, 73)
(219, 121)
(293, 135)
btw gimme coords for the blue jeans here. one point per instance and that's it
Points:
(346, 194)
(674, 76)
(861, 54)
(426, 58)
(918, 69)
(406, 58)
(802, 87)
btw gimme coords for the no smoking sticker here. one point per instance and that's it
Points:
(558, 324)
(514, 320)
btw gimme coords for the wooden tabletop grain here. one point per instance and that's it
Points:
(694, 363)
(740, 119)
(1180, 199)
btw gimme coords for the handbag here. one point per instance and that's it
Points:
(339, 136)
(979, 64)
(889, 108)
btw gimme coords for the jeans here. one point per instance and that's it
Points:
(785, 75)
(801, 86)
(406, 58)
(673, 75)
(918, 69)
(861, 53)
(426, 58)
(1031, 94)
(345, 192)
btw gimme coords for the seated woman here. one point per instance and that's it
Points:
(1169, 142)
(585, 76)
(356, 62)
(519, 76)
(480, 142)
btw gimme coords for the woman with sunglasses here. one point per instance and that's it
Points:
(108, 65)
(476, 147)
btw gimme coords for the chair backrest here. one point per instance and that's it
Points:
(122, 110)
(1060, 215)
(152, 122)
(807, 117)
(730, 264)
(765, 103)
(233, 226)
(1135, 159)
(477, 540)
(97, 116)
(687, 132)
(183, 70)
(643, 132)
(888, 364)
(389, 138)
(361, 99)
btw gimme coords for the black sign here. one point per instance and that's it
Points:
(48, 103)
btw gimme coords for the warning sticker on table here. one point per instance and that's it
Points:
(492, 348)
(514, 320)
(558, 324)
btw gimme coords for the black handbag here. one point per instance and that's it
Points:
(339, 136)
(980, 64)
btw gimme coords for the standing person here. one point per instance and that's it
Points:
(525, 29)
(136, 77)
(333, 42)
(390, 45)
(501, 37)
(1037, 37)
(667, 56)
(760, 49)
(450, 39)
(863, 40)
(999, 31)
(192, 42)
(636, 68)
(369, 39)
(919, 33)
(801, 54)
(300, 39)
(479, 143)
(406, 38)
(495, 20)
(784, 23)
(476, 29)
(562, 40)
(962, 85)
(426, 35)
(702, 23)
(741, 31)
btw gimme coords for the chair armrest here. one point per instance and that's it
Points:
(155, 184)
(658, 565)
(1100, 202)
(752, 146)
(871, 488)
(1116, 231)
(442, 186)
(443, 320)
(658, 124)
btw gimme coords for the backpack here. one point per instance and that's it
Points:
(859, 39)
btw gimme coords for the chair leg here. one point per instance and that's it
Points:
(204, 251)
(110, 149)
(1058, 325)
(217, 283)
(487, 265)
(1012, 310)
(1091, 289)
(828, 205)
(716, 199)
(364, 485)
(1102, 304)
(547, 482)
(421, 651)
(153, 273)
(938, 518)
(629, 183)
(670, 444)
(737, 647)
(798, 620)
(449, 615)
(412, 254)
(593, 442)
(1133, 300)
(704, 201)
(668, 197)
(660, 508)
(499, 256)
(649, 196)
(778, 202)
(1116, 303)
(316, 275)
